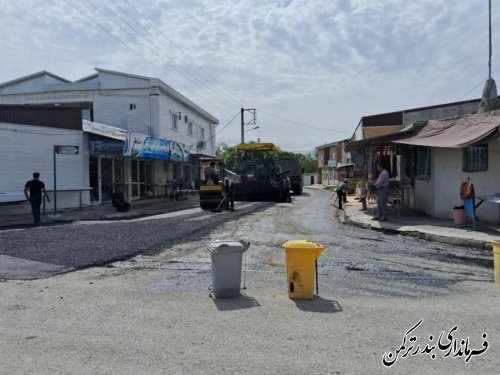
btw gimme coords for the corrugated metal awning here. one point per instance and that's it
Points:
(456, 132)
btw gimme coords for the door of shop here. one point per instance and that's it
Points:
(105, 172)
(140, 177)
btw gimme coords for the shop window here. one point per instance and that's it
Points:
(475, 158)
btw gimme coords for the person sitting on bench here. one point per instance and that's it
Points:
(119, 200)
(211, 177)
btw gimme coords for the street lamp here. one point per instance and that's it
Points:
(249, 130)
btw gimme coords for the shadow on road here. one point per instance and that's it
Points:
(234, 303)
(319, 305)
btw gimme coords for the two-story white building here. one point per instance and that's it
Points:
(140, 132)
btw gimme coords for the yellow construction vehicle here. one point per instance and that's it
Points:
(211, 185)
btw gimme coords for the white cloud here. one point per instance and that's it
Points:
(318, 62)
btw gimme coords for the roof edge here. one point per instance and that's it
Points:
(43, 72)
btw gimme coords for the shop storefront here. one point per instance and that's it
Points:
(144, 166)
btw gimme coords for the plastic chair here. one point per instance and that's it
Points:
(394, 199)
(371, 200)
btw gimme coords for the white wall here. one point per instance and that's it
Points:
(441, 193)
(167, 106)
(26, 149)
(424, 194)
(306, 178)
(113, 108)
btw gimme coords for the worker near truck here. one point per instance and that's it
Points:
(229, 193)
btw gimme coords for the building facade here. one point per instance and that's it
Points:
(334, 162)
(117, 108)
(429, 174)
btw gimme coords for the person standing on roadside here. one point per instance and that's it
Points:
(342, 191)
(36, 188)
(229, 193)
(382, 186)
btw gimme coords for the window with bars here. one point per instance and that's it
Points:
(475, 158)
(190, 128)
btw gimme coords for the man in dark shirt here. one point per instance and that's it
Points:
(119, 200)
(229, 193)
(36, 188)
(211, 177)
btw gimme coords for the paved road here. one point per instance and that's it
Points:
(42, 251)
(152, 314)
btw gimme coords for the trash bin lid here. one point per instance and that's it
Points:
(302, 245)
(222, 246)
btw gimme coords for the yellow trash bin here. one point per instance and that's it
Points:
(496, 261)
(301, 259)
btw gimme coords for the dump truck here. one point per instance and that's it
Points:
(293, 169)
(259, 175)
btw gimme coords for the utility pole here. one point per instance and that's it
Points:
(489, 99)
(489, 24)
(242, 125)
(252, 111)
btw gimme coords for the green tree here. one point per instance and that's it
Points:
(308, 161)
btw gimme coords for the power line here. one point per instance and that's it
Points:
(180, 68)
(218, 132)
(301, 124)
(472, 89)
(205, 74)
(161, 69)
(122, 28)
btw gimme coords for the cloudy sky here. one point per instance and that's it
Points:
(311, 68)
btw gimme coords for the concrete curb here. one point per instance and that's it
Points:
(456, 241)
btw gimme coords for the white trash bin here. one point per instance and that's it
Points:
(226, 267)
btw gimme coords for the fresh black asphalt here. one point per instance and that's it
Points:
(81, 245)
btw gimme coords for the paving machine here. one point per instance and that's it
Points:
(260, 177)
